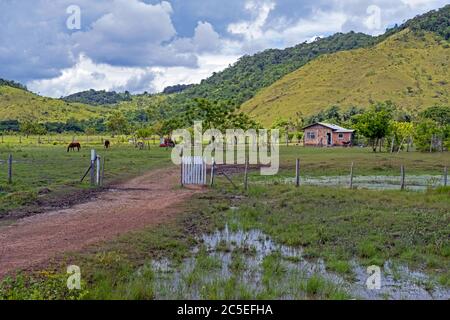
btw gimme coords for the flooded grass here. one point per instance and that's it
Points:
(378, 182)
(241, 265)
(253, 265)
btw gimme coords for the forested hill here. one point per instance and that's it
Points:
(437, 21)
(96, 98)
(242, 80)
(408, 69)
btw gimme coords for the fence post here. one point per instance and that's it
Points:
(181, 169)
(98, 170)
(297, 173)
(402, 173)
(103, 170)
(213, 171)
(93, 158)
(431, 143)
(246, 175)
(351, 175)
(445, 176)
(10, 161)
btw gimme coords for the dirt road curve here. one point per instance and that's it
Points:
(143, 201)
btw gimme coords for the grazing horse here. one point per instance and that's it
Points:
(74, 145)
(140, 145)
(107, 144)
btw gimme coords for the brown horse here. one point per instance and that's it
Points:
(74, 145)
(107, 144)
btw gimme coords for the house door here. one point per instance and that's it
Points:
(329, 140)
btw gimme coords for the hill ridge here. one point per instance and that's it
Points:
(408, 68)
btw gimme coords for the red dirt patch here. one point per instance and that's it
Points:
(147, 200)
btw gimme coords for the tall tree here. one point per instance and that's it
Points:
(117, 123)
(375, 124)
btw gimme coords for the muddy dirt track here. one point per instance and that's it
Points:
(147, 200)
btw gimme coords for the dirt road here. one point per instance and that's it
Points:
(138, 203)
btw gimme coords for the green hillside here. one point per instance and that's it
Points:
(409, 68)
(242, 80)
(19, 104)
(345, 69)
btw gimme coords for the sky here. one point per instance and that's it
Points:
(59, 47)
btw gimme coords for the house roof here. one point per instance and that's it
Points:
(333, 127)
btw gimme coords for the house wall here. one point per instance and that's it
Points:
(340, 142)
(320, 135)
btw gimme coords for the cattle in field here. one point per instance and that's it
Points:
(107, 144)
(74, 145)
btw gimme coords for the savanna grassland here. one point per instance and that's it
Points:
(338, 226)
(22, 105)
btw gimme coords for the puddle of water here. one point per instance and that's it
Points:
(414, 183)
(253, 247)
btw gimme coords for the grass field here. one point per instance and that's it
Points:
(48, 170)
(334, 161)
(298, 227)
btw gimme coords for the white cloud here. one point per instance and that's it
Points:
(132, 34)
(253, 29)
(320, 22)
(283, 32)
(206, 38)
(141, 82)
(135, 45)
(86, 75)
(417, 3)
(208, 63)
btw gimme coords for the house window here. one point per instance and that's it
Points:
(341, 136)
(310, 135)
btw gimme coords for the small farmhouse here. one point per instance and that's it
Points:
(326, 135)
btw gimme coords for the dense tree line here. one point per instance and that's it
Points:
(176, 88)
(35, 128)
(437, 21)
(96, 98)
(385, 125)
(13, 84)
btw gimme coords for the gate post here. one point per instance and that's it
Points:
(93, 158)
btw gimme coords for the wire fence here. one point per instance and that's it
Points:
(18, 174)
(355, 179)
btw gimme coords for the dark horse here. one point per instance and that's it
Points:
(73, 146)
(107, 144)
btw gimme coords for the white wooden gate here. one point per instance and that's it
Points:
(193, 171)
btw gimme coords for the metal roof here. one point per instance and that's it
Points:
(333, 127)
